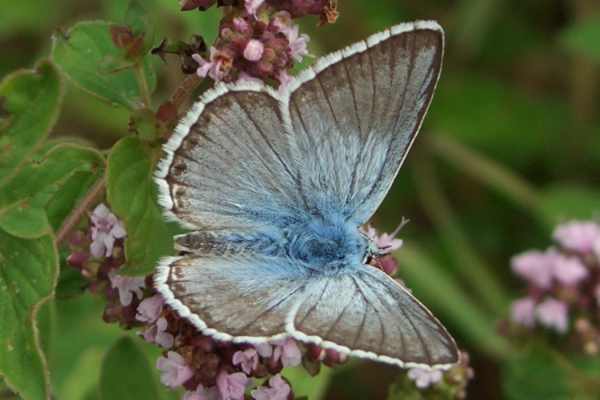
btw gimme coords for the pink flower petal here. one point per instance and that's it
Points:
(174, 371)
(232, 386)
(523, 312)
(150, 308)
(246, 359)
(278, 389)
(553, 314)
(535, 266)
(578, 236)
(569, 270)
(253, 50)
(127, 286)
(424, 378)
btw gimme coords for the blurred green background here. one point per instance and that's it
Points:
(510, 147)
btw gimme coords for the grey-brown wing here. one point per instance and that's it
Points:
(233, 297)
(356, 113)
(227, 164)
(369, 315)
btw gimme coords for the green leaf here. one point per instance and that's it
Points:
(313, 387)
(132, 196)
(91, 60)
(535, 374)
(23, 221)
(28, 272)
(45, 189)
(583, 38)
(32, 99)
(126, 373)
(561, 202)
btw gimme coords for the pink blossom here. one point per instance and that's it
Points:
(246, 359)
(264, 350)
(385, 242)
(424, 378)
(523, 311)
(202, 393)
(252, 6)
(535, 266)
(127, 287)
(578, 236)
(241, 25)
(568, 270)
(298, 43)
(232, 386)
(278, 389)
(158, 334)
(150, 308)
(388, 264)
(213, 68)
(289, 353)
(106, 228)
(284, 79)
(553, 314)
(174, 371)
(253, 50)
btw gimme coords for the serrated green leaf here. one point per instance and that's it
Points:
(132, 196)
(51, 184)
(28, 270)
(126, 359)
(535, 374)
(32, 100)
(91, 60)
(23, 221)
(583, 38)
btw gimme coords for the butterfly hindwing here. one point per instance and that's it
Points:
(245, 298)
(369, 314)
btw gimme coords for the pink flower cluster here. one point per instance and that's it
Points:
(563, 281)
(386, 243)
(257, 41)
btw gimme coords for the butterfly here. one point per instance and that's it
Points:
(275, 185)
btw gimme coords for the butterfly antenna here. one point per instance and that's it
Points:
(403, 223)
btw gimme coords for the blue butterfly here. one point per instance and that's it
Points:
(275, 186)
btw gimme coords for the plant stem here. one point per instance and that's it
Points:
(469, 264)
(184, 90)
(75, 216)
(143, 84)
(486, 170)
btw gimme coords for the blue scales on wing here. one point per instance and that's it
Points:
(275, 185)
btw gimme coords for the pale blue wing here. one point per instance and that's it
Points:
(248, 157)
(226, 166)
(355, 115)
(368, 314)
(242, 297)
(253, 298)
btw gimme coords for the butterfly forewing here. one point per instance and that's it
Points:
(356, 118)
